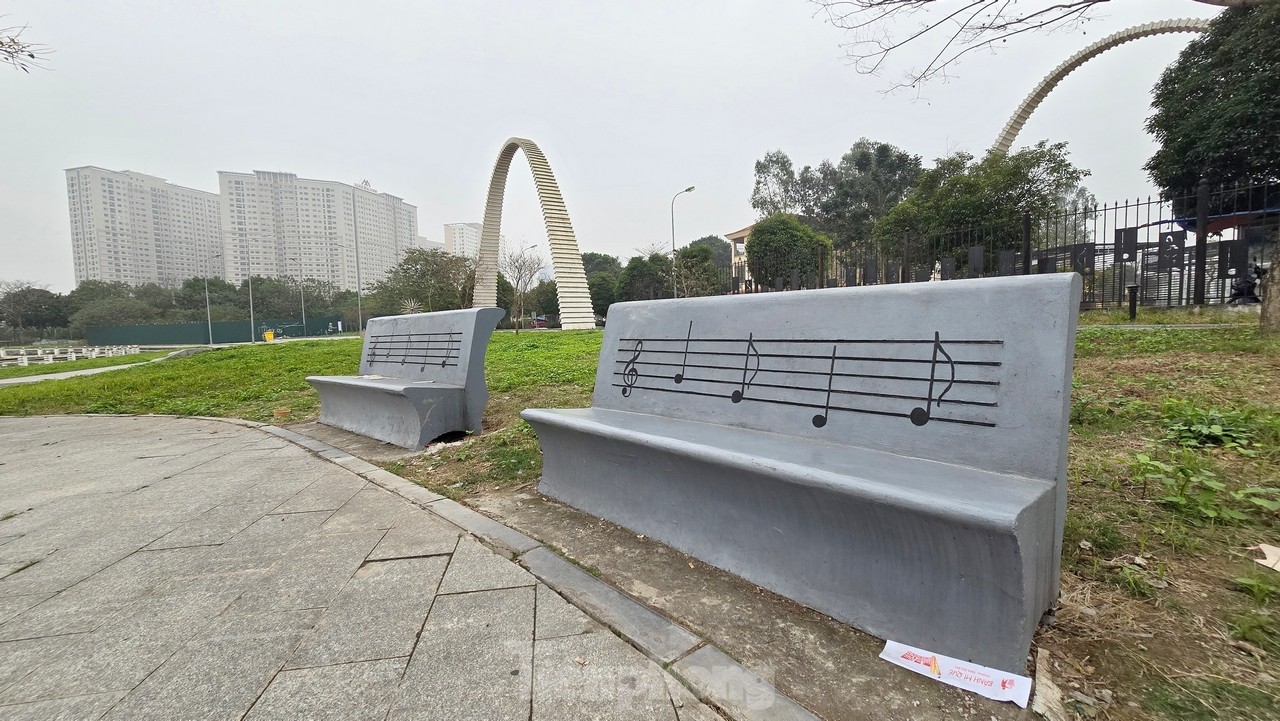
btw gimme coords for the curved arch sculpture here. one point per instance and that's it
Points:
(566, 261)
(1037, 96)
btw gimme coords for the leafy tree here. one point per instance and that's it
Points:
(26, 305)
(721, 250)
(696, 273)
(600, 263)
(775, 187)
(604, 291)
(433, 278)
(781, 244)
(91, 291)
(544, 298)
(645, 278)
(845, 199)
(506, 295)
(1217, 111)
(159, 297)
(960, 194)
(111, 311)
(191, 296)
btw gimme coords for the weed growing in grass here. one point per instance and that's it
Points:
(1262, 588)
(1256, 627)
(1208, 699)
(1198, 494)
(1192, 427)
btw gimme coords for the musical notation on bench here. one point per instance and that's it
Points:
(425, 350)
(884, 377)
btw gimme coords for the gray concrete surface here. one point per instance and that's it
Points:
(421, 376)
(160, 568)
(893, 456)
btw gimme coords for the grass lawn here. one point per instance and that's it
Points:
(1175, 438)
(39, 368)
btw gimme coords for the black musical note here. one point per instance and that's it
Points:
(684, 363)
(820, 419)
(629, 373)
(738, 395)
(921, 416)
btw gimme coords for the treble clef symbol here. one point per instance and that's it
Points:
(629, 373)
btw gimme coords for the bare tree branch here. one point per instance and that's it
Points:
(19, 53)
(950, 29)
(520, 267)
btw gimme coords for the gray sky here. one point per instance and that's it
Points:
(630, 102)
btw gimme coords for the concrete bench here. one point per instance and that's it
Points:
(421, 376)
(892, 456)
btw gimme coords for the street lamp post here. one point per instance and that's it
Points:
(208, 314)
(302, 293)
(673, 237)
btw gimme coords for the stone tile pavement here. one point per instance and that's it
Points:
(160, 568)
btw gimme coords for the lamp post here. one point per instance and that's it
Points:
(208, 314)
(673, 237)
(302, 294)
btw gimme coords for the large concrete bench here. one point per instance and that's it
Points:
(421, 376)
(892, 456)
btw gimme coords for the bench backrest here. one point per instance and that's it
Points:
(973, 372)
(445, 346)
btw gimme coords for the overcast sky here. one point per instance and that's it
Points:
(631, 102)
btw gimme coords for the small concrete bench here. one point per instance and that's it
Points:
(892, 456)
(421, 376)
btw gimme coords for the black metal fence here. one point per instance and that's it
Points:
(1154, 244)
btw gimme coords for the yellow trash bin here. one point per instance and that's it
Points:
(268, 335)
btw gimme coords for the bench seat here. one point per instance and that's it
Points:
(821, 523)
(892, 456)
(405, 413)
(421, 376)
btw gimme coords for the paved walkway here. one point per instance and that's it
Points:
(159, 568)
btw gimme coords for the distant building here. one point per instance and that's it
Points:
(425, 244)
(462, 239)
(277, 224)
(137, 228)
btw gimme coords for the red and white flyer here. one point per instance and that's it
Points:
(998, 685)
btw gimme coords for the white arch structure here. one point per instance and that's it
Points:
(1037, 96)
(566, 261)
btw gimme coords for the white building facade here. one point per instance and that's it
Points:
(136, 228)
(462, 239)
(277, 224)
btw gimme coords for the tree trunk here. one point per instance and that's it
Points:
(1271, 302)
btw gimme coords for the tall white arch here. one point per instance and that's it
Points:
(1037, 96)
(566, 261)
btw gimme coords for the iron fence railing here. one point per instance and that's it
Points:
(1177, 251)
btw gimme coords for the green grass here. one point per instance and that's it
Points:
(38, 368)
(1188, 399)
(1167, 316)
(243, 382)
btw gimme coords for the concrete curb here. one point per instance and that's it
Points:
(715, 678)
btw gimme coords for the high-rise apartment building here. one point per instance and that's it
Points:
(462, 239)
(138, 228)
(277, 224)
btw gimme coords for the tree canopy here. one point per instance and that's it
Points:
(721, 250)
(1216, 109)
(960, 193)
(780, 245)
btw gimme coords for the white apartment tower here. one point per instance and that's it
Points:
(277, 224)
(138, 228)
(462, 239)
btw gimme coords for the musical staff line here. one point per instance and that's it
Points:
(790, 356)
(839, 391)
(838, 374)
(753, 356)
(802, 404)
